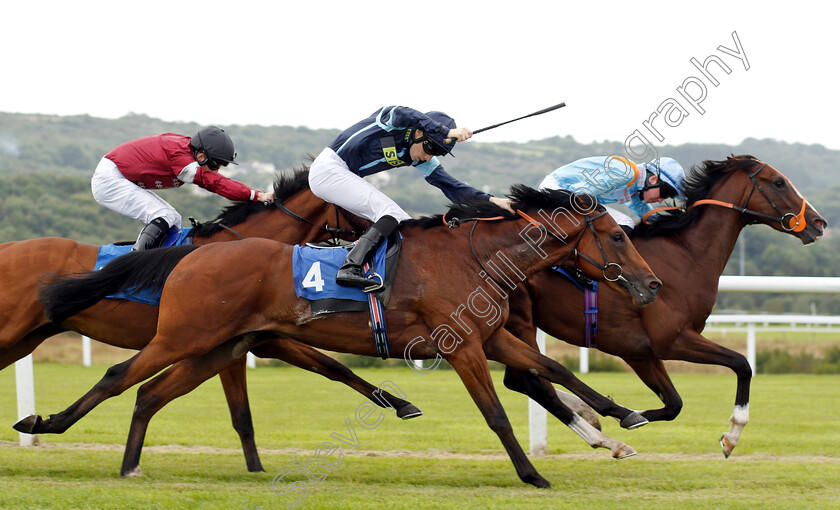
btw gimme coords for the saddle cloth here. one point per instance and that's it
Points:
(333, 298)
(315, 269)
(108, 252)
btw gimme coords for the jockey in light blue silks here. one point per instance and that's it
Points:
(615, 179)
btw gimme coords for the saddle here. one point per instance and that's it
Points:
(332, 298)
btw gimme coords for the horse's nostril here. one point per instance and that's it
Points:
(655, 285)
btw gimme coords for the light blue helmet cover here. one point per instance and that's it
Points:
(669, 171)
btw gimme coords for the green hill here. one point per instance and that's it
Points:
(46, 162)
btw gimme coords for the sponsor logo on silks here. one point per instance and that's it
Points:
(389, 150)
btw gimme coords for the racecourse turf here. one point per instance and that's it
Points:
(788, 456)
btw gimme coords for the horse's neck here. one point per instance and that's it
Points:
(277, 225)
(510, 252)
(708, 242)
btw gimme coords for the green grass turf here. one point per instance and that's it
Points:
(789, 454)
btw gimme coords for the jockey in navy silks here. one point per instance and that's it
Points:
(392, 137)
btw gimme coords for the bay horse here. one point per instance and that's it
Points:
(297, 215)
(688, 248)
(244, 291)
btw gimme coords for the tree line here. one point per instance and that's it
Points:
(46, 163)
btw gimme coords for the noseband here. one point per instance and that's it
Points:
(789, 222)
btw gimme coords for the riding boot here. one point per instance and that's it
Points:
(152, 235)
(626, 228)
(350, 273)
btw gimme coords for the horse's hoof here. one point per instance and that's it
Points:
(623, 451)
(28, 424)
(133, 472)
(538, 481)
(633, 420)
(409, 411)
(726, 445)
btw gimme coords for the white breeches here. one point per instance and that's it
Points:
(331, 179)
(112, 190)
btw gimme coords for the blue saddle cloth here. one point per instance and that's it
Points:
(108, 252)
(314, 271)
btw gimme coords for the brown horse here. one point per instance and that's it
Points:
(244, 291)
(296, 216)
(688, 248)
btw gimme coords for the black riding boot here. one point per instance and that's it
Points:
(152, 235)
(350, 273)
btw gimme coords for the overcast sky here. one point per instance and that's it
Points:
(329, 64)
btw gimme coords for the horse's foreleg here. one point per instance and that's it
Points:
(692, 346)
(509, 350)
(471, 365)
(542, 392)
(520, 324)
(309, 358)
(550, 398)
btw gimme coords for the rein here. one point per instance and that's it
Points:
(333, 231)
(790, 222)
(456, 222)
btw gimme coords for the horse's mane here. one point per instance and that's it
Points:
(524, 198)
(698, 184)
(285, 185)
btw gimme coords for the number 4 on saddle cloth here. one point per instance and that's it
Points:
(314, 268)
(107, 253)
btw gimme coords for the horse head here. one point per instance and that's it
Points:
(589, 240)
(761, 193)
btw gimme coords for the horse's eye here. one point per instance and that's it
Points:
(618, 238)
(780, 183)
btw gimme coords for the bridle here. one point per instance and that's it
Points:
(333, 231)
(605, 267)
(790, 222)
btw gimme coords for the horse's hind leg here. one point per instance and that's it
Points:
(309, 358)
(471, 365)
(161, 352)
(234, 383)
(183, 377)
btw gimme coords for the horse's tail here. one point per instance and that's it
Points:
(68, 294)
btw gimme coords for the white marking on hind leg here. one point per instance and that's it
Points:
(579, 407)
(597, 439)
